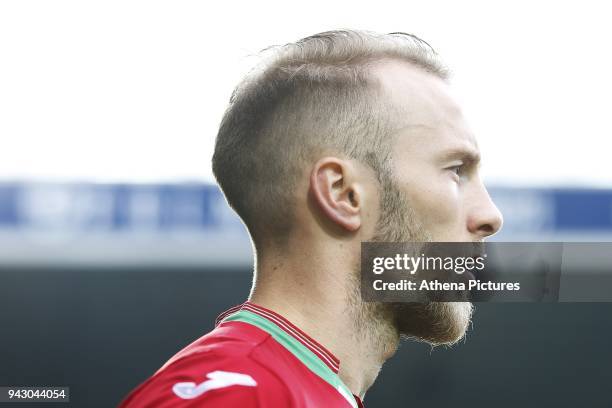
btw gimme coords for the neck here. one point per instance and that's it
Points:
(323, 299)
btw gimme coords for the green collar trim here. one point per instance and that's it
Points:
(301, 352)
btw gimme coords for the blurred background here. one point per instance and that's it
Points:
(117, 249)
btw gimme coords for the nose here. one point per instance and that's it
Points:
(484, 218)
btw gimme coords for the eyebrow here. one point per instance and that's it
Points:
(466, 154)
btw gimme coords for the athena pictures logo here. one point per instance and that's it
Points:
(484, 272)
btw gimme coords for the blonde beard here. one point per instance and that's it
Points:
(436, 322)
(383, 324)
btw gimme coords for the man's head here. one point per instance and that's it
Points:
(351, 136)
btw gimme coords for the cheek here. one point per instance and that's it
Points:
(436, 203)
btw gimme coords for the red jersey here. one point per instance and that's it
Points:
(253, 358)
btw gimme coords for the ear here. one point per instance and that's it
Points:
(336, 193)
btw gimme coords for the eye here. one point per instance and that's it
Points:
(458, 172)
(458, 169)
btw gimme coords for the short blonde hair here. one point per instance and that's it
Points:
(306, 98)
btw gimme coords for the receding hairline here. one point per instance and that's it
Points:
(335, 64)
(343, 51)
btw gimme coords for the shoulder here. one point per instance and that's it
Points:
(217, 370)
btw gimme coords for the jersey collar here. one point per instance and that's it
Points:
(312, 354)
(289, 328)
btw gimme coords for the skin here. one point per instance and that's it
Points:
(435, 166)
(436, 158)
